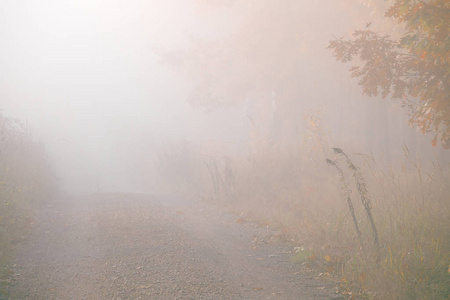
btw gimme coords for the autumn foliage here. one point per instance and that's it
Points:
(414, 69)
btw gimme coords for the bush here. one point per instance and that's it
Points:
(26, 180)
(294, 190)
(401, 247)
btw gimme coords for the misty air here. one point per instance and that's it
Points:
(203, 149)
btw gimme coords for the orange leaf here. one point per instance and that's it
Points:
(434, 142)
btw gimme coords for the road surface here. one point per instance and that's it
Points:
(131, 246)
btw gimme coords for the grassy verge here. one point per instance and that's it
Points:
(409, 210)
(297, 192)
(25, 181)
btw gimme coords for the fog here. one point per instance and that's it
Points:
(85, 78)
(174, 149)
(90, 80)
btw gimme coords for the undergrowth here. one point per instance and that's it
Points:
(401, 244)
(26, 180)
(380, 229)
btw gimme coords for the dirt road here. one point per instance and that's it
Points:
(124, 246)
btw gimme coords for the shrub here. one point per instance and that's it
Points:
(26, 179)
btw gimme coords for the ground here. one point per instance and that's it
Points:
(130, 246)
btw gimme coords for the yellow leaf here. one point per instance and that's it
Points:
(327, 258)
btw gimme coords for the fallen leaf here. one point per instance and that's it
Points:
(145, 286)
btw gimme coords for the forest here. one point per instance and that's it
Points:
(328, 123)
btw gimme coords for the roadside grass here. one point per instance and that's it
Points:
(411, 206)
(26, 179)
(411, 211)
(14, 226)
(296, 192)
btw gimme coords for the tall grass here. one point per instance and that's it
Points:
(403, 220)
(412, 205)
(400, 250)
(26, 179)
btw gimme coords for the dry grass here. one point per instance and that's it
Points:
(411, 212)
(296, 192)
(403, 249)
(412, 207)
(25, 180)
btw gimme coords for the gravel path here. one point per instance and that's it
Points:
(125, 246)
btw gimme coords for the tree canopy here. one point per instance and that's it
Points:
(413, 69)
(269, 61)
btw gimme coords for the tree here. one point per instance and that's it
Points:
(268, 62)
(413, 69)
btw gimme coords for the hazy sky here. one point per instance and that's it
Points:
(88, 61)
(84, 76)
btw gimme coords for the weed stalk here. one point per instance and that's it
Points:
(349, 200)
(360, 183)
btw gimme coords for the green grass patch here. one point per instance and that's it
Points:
(303, 256)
